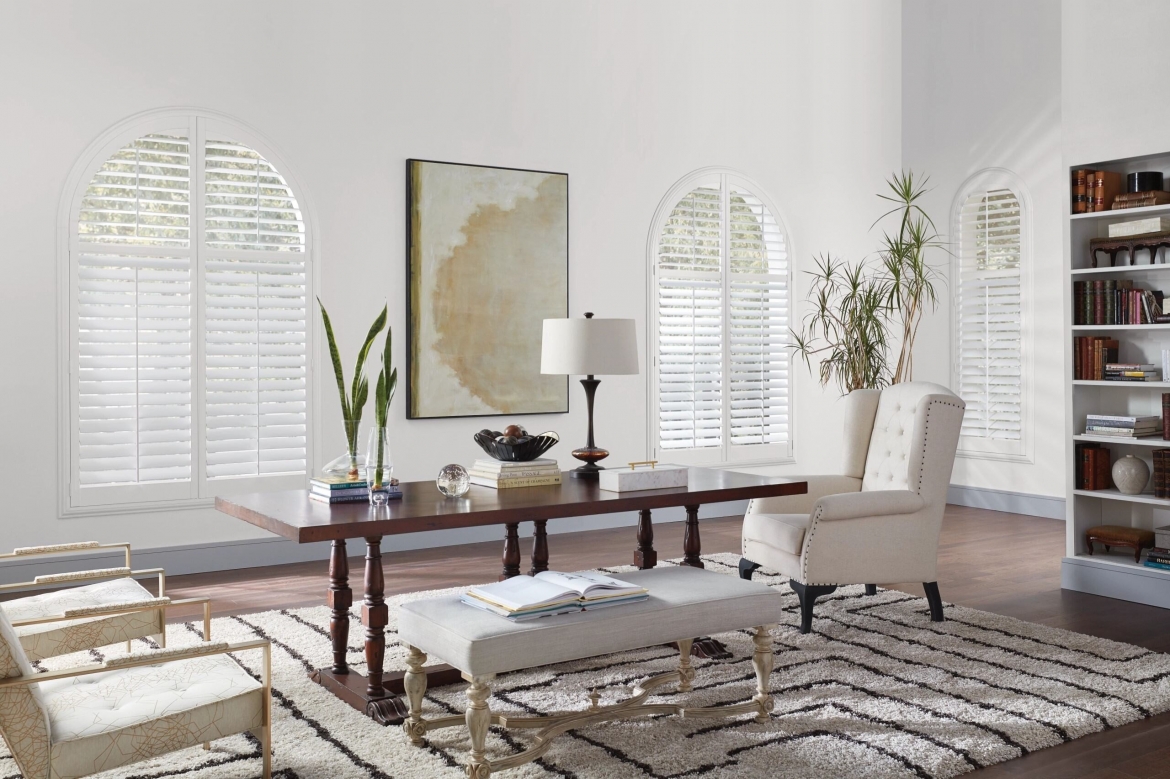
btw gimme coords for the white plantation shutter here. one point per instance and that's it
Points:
(256, 317)
(989, 321)
(189, 341)
(720, 327)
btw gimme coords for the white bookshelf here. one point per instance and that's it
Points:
(1113, 574)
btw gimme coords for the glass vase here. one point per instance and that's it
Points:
(349, 464)
(379, 467)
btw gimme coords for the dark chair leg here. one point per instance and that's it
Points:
(808, 594)
(747, 568)
(871, 589)
(935, 601)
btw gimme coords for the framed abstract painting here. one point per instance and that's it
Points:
(487, 263)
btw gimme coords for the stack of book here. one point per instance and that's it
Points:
(1153, 197)
(1158, 557)
(548, 593)
(340, 489)
(1090, 356)
(1122, 426)
(1115, 302)
(501, 475)
(1092, 467)
(1162, 473)
(1132, 371)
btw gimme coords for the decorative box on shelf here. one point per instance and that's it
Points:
(651, 477)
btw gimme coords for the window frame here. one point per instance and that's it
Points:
(198, 492)
(985, 180)
(722, 456)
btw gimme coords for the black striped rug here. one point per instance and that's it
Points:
(877, 690)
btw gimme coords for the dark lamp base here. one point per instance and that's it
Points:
(589, 455)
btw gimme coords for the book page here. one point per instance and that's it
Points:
(586, 582)
(522, 592)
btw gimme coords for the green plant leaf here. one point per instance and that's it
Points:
(335, 357)
(358, 373)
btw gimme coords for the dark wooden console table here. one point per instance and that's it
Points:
(291, 514)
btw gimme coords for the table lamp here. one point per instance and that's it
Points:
(589, 347)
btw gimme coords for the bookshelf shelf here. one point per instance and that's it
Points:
(1123, 562)
(1155, 441)
(1121, 214)
(1112, 494)
(1121, 270)
(1097, 328)
(1122, 384)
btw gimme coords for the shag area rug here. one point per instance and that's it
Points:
(876, 690)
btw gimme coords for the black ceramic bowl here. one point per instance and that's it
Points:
(518, 453)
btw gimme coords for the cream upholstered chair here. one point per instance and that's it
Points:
(107, 605)
(84, 720)
(879, 520)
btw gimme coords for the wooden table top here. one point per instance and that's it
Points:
(291, 514)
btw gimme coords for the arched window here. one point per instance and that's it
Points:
(990, 260)
(720, 388)
(188, 266)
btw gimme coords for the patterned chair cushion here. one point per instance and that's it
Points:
(105, 720)
(23, 718)
(59, 638)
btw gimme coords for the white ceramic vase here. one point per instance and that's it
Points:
(1131, 474)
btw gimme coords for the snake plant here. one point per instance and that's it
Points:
(383, 394)
(353, 402)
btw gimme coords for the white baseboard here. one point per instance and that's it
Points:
(1003, 500)
(255, 553)
(1110, 580)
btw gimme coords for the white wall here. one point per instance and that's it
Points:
(981, 88)
(625, 97)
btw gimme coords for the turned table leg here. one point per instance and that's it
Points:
(539, 547)
(339, 600)
(705, 646)
(692, 547)
(374, 617)
(511, 551)
(645, 556)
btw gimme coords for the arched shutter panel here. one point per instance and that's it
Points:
(989, 317)
(721, 326)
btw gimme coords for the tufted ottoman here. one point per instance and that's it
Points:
(683, 601)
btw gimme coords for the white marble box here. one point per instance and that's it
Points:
(1162, 537)
(643, 478)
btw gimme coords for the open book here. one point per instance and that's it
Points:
(552, 592)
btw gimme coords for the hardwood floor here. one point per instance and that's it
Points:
(1003, 563)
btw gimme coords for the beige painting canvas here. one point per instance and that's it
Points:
(489, 262)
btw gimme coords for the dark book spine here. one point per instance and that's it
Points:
(1098, 302)
(1078, 302)
(1166, 416)
(1160, 473)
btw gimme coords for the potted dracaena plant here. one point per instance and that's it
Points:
(857, 308)
(353, 402)
(379, 463)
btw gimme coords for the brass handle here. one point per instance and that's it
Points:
(651, 463)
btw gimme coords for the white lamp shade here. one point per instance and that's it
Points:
(585, 347)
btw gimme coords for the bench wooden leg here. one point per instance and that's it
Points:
(415, 684)
(686, 672)
(479, 717)
(762, 663)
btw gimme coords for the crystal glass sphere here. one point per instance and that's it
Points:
(453, 481)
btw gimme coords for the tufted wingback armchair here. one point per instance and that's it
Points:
(879, 520)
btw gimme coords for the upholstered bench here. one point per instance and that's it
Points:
(684, 603)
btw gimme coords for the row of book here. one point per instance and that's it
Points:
(502, 475)
(1092, 467)
(1090, 356)
(1122, 426)
(340, 489)
(1095, 190)
(1116, 302)
(1162, 473)
(548, 593)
